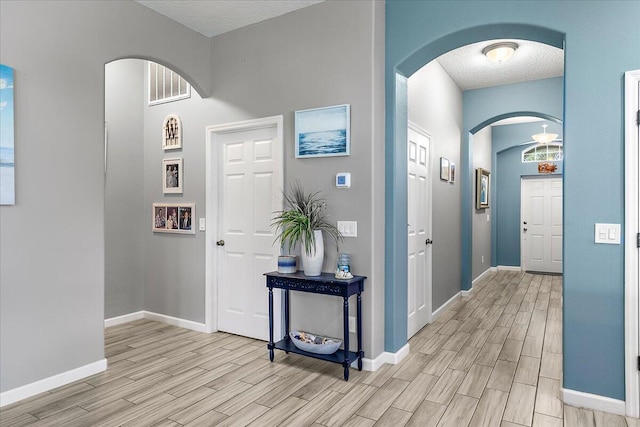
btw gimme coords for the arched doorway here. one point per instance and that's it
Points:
(395, 188)
(140, 264)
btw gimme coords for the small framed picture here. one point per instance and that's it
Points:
(452, 172)
(173, 217)
(171, 132)
(323, 132)
(483, 188)
(444, 169)
(172, 173)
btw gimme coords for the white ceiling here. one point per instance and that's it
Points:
(466, 65)
(213, 17)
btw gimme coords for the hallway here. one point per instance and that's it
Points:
(491, 359)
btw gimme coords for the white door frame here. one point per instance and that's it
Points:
(632, 346)
(212, 172)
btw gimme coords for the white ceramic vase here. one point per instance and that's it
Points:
(312, 264)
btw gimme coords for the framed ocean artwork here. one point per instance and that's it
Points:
(7, 158)
(323, 132)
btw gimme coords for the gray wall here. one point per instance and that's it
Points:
(299, 61)
(125, 222)
(435, 104)
(481, 226)
(52, 253)
(52, 316)
(255, 77)
(174, 264)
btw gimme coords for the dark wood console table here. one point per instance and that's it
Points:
(325, 284)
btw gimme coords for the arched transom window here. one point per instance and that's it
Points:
(542, 153)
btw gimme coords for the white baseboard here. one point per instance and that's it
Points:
(170, 320)
(593, 401)
(481, 276)
(11, 396)
(126, 318)
(444, 306)
(509, 268)
(175, 321)
(384, 357)
(466, 293)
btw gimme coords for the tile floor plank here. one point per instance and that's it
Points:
(520, 404)
(459, 412)
(490, 408)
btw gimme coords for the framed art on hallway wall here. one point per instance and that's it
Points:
(172, 172)
(444, 169)
(323, 132)
(483, 188)
(173, 217)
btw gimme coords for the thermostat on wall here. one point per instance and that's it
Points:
(343, 180)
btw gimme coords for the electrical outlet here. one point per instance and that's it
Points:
(352, 324)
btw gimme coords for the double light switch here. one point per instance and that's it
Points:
(608, 233)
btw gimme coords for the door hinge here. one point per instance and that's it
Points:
(638, 363)
(638, 118)
(638, 240)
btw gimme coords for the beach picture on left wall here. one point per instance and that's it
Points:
(7, 181)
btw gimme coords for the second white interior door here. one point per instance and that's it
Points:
(541, 224)
(419, 230)
(250, 190)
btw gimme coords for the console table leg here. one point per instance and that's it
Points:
(359, 329)
(345, 334)
(270, 324)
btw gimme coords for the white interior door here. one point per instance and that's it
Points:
(249, 191)
(419, 230)
(541, 224)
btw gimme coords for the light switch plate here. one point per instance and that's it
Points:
(202, 224)
(348, 228)
(607, 233)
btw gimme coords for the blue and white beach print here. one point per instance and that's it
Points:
(7, 180)
(323, 132)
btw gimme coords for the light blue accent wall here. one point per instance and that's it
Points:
(506, 175)
(395, 295)
(602, 41)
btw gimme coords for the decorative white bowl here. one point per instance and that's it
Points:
(329, 347)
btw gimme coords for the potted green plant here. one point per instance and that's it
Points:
(302, 222)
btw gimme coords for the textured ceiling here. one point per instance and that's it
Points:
(213, 17)
(470, 69)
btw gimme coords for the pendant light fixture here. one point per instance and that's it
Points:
(500, 52)
(544, 137)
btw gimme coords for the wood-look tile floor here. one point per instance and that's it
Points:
(491, 359)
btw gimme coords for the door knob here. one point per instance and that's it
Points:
(525, 223)
(429, 242)
(220, 243)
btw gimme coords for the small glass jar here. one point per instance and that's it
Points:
(344, 261)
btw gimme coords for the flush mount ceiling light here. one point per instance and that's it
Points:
(500, 52)
(544, 137)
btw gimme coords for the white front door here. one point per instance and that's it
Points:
(541, 224)
(419, 230)
(249, 184)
